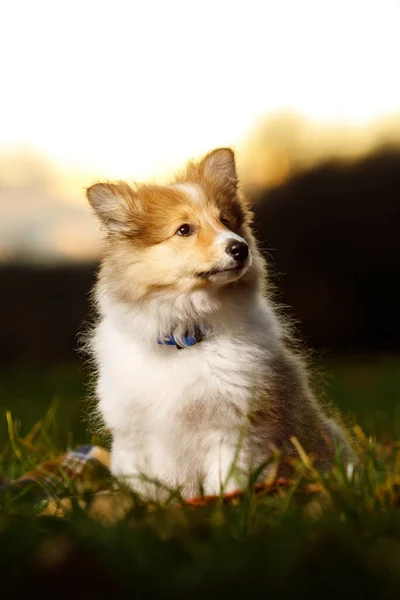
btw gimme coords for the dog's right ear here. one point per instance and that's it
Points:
(111, 203)
(219, 167)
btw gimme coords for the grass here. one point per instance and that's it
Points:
(325, 536)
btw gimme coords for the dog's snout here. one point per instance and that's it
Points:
(238, 250)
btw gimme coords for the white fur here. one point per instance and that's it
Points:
(175, 414)
(225, 236)
(191, 190)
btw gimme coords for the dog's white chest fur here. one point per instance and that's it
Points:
(177, 415)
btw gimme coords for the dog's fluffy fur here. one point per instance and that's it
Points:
(185, 417)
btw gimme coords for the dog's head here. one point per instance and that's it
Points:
(190, 235)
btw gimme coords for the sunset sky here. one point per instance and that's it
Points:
(133, 88)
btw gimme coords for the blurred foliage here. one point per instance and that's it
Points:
(330, 236)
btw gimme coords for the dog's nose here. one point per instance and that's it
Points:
(238, 250)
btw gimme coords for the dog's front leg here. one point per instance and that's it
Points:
(224, 469)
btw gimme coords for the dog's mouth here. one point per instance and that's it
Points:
(215, 272)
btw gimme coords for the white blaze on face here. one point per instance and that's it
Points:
(225, 236)
(192, 191)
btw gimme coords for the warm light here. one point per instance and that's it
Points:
(96, 90)
(74, 240)
(131, 89)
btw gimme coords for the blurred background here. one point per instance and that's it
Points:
(308, 95)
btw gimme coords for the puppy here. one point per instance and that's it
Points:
(197, 379)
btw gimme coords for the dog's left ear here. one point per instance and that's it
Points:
(219, 167)
(112, 203)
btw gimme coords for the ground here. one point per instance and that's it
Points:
(325, 537)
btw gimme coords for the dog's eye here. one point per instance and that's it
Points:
(185, 230)
(224, 221)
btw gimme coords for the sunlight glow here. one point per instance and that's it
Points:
(131, 89)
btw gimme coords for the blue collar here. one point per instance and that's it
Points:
(188, 340)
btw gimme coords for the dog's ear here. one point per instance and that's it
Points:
(219, 167)
(112, 203)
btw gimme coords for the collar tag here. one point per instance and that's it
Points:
(189, 340)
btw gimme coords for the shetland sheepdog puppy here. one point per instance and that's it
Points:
(197, 381)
